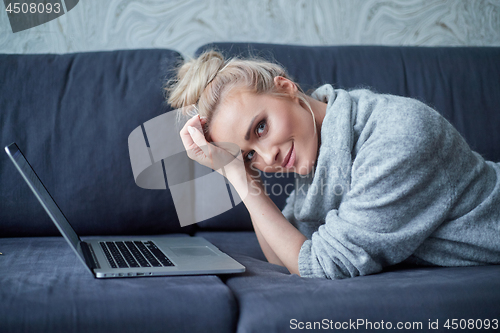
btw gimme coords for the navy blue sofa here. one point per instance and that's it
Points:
(71, 114)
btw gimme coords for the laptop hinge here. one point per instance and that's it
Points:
(88, 254)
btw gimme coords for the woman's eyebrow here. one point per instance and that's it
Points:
(247, 136)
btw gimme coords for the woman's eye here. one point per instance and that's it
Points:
(261, 127)
(250, 155)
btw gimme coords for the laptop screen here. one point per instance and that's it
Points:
(43, 196)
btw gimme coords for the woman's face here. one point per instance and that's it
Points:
(275, 134)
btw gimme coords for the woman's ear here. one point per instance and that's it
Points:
(285, 85)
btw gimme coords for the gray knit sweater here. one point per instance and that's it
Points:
(394, 182)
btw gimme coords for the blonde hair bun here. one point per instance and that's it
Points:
(206, 80)
(192, 78)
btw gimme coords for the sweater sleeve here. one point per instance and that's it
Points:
(307, 229)
(399, 194)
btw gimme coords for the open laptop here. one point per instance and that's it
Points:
(130, 256)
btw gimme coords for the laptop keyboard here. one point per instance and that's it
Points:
(134, 254)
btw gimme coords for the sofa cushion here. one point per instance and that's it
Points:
(460, 83)
(45, 288)
(71, 115)
(272, 300)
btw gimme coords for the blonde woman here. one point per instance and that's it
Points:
(381, 179)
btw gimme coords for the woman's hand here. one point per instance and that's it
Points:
(222, 157)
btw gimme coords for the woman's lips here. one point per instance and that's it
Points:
(290, 158)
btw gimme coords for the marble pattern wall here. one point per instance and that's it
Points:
(184, 25)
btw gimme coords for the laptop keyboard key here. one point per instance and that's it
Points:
(126, 254)
(120, 261)
(134, 254)
(149, 256)
(137, 254)
(159, 254)
(108, 255)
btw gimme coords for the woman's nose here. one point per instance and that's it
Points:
(269, 156)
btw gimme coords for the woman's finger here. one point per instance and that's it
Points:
(196, 123)
(193, 122)
(191, 147)
(199, 139)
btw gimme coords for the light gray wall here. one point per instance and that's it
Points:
(184, 25)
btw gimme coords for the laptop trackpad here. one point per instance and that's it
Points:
(193, 251)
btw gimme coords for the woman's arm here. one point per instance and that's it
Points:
(279, 239)
(268, 251)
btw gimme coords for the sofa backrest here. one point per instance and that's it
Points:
(71, 115)
(462, 83)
